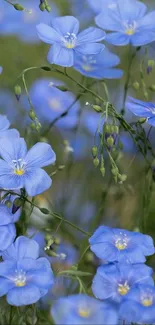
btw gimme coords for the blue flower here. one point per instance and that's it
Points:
(1, 69)
(65, 40)
(23, 23)
(119, 245)
(100, 5)
(129, 23)
(82, 309)
(22, 169)
(142, 109)
(139, 305)
(4, 125)
(24, 277)
(50, 103)
(114, 281)
(7, 228)
(98, 66)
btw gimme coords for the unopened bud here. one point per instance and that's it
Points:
(33, 126)
(110, 141)
(102, 170)
(89, 257)
(17, 6)
(42, 6)
(18, 202)
(62, 88)
(142, 120)
(32, 114)
(57, 240)
(97, 108)
(18, 91)
(135, 85)
(122, 177)
(108, 128)
(150, 66)
(114, 171)
(96, 162)
(152, 87)
(94, 151)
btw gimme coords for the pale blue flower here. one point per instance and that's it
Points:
(100, 5)
(66, 40)
(129, 23)
(22, 169)
(4, 128)
(142, 109)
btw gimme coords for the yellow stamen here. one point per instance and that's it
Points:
(87, 68)
(84, 312)
(147, 302)
(20, 283)
(123, 289)
(130, 31)
(69, 45)
(120, 246)
(19, 172)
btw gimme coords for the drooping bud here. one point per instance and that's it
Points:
(135, 85)
(97, 108)
(42, 6)
(96, 162)
(94, 151)
(150, 66)
(142, 120)
(110, 141)
(48, 8)
(122, 178)
(18, 91)
(152, 87)
(17, 6)
(32, 114)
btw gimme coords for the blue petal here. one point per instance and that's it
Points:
(7, 268)
(107, 59)
(109, 20)
(8, 180)
(139, 108)
(151, 121)
(143, 37)
(5, 286)
(12, 149)
(1, 70)
(6, 216)
(37, 181)
(47, 34)
(40, 155)
(61, 56)
(21, 296)
(131, 10)
(147, 22)
(4, 123)
(119, 39)
(7, 236)
(22, 248)
(66, 24)
(90, 48)
(103, 287)
(9, 134)
(91, 34)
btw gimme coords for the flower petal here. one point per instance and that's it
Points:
(66, 24)
(91, 34)
(147, 22)
(8, 179)
(47, 34)
(12, 149)
(22, 248)
(109, 20)
(5, 286)
(9, 133)
(119, 39)
(139, 108)
(4, 123)
(40, 155)
(7, 236)
(143, 37)
(37, 181)
(151, 121)
(21, 296)
(90, 48)
(6, 216)
(61, 56)
(131, 10)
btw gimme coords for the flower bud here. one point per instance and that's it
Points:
(57, 241)
(42, 6)
(8, 203)
(135, 85)
(18, 202)
(115, 171)
(17, 6)
(110, 141)
(48, 8)
(107, 128)
(102, 170)
(32, 114)
(122, 177)
(96, 162)
(150, 66)
(94, 151)
(18, 91)
(152, 87)
(142, 120)
(97, 108)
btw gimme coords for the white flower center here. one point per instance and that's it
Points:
(88, 63)
(69, 40)
(20, 278)
(130, 27)
(123, 288)
(18, 166)
(121, 242)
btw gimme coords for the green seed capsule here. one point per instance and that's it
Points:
(42, 6)
(94, 151)
(110, 141)
(96, 162)
(135, 85)
(17, 6)
(97, 108)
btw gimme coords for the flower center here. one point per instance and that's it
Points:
(54, 104)
(70, 40)
(87, 67)
(130, 28)
(18, 166)
(123, 289)
(87, 63)
(147, 301)
(121, 243)
(84, 312)
(20, 278)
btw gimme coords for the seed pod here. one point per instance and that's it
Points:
(96, 162)
(97, 108)
(17, 6)
(94, 151)
(18, 91)
(135, 85)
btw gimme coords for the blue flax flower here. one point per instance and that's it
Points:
(50, 103)
(100, 5)
(142, 109)
(66, 42)
(119, 245)
(82, 309)
(1, 69)
(139, 305)
(22, 169)
(114, 281)
(24, 277)
(7, 228)
(4, 125)
(98, 66)
(129, 23)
